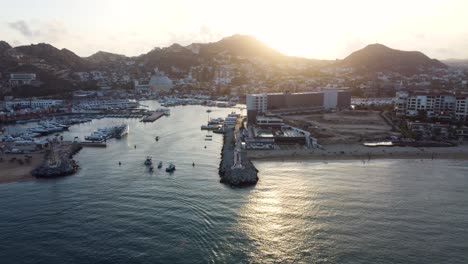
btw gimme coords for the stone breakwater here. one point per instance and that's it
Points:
(62, 165)
(237, 177)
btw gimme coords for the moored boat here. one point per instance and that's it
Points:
(148, 161)
(170, 168)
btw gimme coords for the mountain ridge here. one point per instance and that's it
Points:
(378, 57)
(374, 57)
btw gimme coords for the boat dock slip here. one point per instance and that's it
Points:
(153, 117)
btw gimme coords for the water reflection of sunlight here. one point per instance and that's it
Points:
(278, 221)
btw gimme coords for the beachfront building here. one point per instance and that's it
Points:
(434, 104)
(277, 136)
(275, 103)
(19, 79)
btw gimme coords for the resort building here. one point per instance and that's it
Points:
(434, 104)
(272, 103)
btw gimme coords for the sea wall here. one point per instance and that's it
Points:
(65, 163)
(238, 177)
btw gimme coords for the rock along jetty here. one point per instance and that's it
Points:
(58, 161)
(235, 171)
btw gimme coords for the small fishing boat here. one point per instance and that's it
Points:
(208, 111)
(148, 161)
(170, 168)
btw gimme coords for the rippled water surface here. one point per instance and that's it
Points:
(387, 211)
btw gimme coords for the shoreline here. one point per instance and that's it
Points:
(12, 171)
(359, 152)
(18, 168)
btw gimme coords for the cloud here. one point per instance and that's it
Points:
(49, 31)
(22, 27)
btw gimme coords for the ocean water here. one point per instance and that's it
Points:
(385, 211)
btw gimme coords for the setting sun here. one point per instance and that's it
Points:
(313, 29)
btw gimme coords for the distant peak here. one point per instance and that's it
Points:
(377, 46)
(4, 45)
(239, 37)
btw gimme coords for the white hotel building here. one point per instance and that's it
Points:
(435, 104)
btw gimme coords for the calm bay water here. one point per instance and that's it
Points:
(387, 211)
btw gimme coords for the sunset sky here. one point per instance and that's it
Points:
(313, 29)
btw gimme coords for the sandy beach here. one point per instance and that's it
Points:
(11, 170)
(360, 152)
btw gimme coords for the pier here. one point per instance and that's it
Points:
(235, 168)
(153, 117)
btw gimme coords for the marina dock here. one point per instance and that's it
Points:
(153, 117)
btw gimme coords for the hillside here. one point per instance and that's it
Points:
(240, 45)
(456, 63)
(102, 57)
(377, 57)
(48, 54)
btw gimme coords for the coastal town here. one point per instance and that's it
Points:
(293, 108)
(306, 131)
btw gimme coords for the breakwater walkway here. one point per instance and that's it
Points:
(235, 168)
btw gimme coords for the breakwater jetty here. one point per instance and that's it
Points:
(235, 168)
(58, 161)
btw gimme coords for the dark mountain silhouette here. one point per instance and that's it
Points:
(48, 54)
(102, 57)
(377, 57)
(240, 45)
(372, 58)
(4, 46)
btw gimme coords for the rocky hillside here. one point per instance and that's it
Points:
(103, 58)
(50, 55)
(377, 57)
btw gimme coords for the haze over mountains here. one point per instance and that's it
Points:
(375, 57)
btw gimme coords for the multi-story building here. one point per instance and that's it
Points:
(19, 79)
(435, 104)
(296, 102)
(461, 107)
(34, 104)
